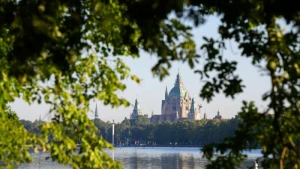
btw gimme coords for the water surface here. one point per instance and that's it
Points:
(146, 158)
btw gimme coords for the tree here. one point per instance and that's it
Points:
(140, 121)
(66, 53)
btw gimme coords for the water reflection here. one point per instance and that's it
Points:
(168, 158)
(164, 158)
(40, 162)
(146, 158)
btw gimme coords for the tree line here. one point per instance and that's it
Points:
(140, 131)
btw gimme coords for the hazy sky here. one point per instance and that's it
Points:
(151, 90)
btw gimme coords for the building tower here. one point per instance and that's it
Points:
(218, 116)
(194, 113)
(205, 116)
(96, 113)
(166, 93)
(136, 110)
(166, 97)
(178, 99)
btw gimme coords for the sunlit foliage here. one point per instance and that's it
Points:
(66, 53)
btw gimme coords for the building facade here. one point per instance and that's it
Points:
(178, 104)
(177, 100)
(218, 116)
(194, 113)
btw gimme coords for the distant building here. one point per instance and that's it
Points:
(136, 110)
(96, 113)
(177, 105)
(205, 116)
(194, 113)
(161, 118)
(218, 116)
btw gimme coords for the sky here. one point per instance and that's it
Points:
(151, 90)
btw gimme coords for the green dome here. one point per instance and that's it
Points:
(177, 92)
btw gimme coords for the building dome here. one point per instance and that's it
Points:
(178, 90)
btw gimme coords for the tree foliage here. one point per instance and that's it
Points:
(180, 133)
(66, 53)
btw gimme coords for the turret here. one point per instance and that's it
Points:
(136, 110)
(192, 109)
(136, 105)
(218, 116)
(178, 82)
(96, 112)
(166, 93)
(191, 114)
(194, 112)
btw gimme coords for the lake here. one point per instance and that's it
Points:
(147, 158)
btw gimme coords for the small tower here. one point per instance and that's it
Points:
(136, 110)
(178, 81)
(96, 113)
(166, 93)
(194, 113)
(205, 116)
(218, 116)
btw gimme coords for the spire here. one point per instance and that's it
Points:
(136, 105)
(166, 93)
(136, 110)
(96, 112)
(192, 110)
(178, 82)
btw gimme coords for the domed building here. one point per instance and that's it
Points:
(218, 116)
(178, 104)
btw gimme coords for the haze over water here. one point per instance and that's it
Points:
(147, 158)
